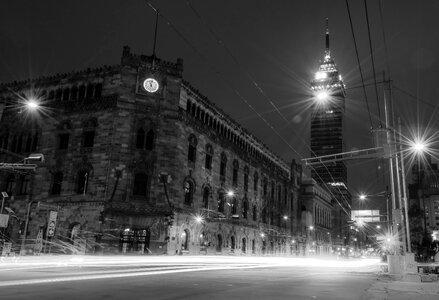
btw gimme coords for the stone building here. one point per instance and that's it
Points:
(317, 220)
(137, 161)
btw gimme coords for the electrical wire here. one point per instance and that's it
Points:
(229, 52)
(359, 63)
(224, 78)
(373, 63)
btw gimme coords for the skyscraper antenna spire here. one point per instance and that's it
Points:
(327, 51)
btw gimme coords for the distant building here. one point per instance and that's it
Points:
(134, 155)
(327, 128)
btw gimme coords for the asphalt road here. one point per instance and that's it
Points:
(184, 278)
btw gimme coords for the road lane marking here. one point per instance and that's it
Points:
(120, 275)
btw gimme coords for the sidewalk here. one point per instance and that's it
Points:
(388, 287)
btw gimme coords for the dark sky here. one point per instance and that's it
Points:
(274, 44)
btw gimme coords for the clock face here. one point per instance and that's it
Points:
(151, 85)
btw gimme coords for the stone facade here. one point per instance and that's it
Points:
(131, 169)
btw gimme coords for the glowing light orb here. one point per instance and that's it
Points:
(32, 104)
(230, 193)
(362, 197)
(321, 75)
(321, 96)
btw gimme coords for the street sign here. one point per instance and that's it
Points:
(4, 219)
(51, 224)
(39, 241)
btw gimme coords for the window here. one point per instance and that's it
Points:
(265, 187)
(28, 143)
(246, 179)
(81, 92)
(90, 91)
(149, 145)
(10, 182)
(140, 138)
(63, 141)
(188, 192)
(209, 155)
(140, 184)
(234, 206)
(255, 182)
(245, 209)
(98, 90)
(221, 201)
(57, 183)
(89, 136)
(206, 193)
(24, 185)
(74, 93)
(35, 142)
(19, 143)
(192, 150)
(235, 173)
(82, 182)
(255, 213)
(223, 165)
(89, 132)
(66, 95)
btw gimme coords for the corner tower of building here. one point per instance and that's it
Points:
(327, 119)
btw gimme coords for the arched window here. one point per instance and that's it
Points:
(188, 192)
(82, 182)
(234, 206)
(188, 107)
(221, 201)
(19, 144)
(89, 132)
(219, 242)
(149, 145)
(255, 182)
(14, 144)
(235, 173)
(244, 245)
(206, 193)
(246, 171)
(264, 215)
(209, 155)
(74, 93)
(192, 149)
(223, 165)
(140, 141)
(265, 187)
(98, 90)
(57, 183)
(232, 243)
(185, 236)
(90, 91)
(140, 184)
(245, 208)
(255, 213)
(35, 142)
(58, 94)
(66, 94)
(28, 146)
(81, 92)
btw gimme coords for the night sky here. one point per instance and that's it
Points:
(230, 47)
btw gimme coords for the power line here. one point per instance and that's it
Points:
(359, 63)
(224, 78)
(373, 63)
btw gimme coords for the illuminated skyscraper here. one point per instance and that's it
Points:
(327, 120)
